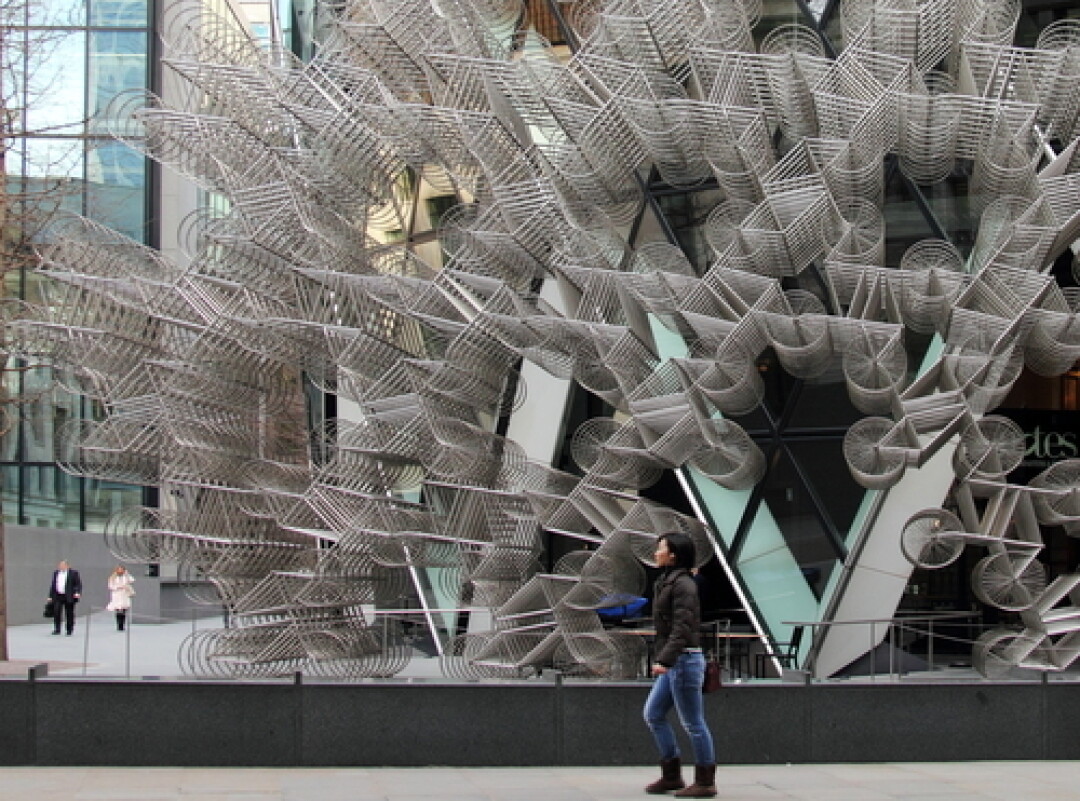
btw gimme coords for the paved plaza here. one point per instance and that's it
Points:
(148, 649)
(979, 781)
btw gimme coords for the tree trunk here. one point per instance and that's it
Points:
(3, 598)
(3, 396)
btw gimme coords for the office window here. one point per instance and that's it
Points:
(119, 13)
(64, 61)
(116, 187)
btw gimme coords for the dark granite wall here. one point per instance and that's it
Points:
(55, 721)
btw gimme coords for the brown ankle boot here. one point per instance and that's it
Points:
(704, 785)
(670, 778)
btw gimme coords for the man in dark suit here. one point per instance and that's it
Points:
(64, 592)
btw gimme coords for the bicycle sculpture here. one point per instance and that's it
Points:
(1010, 577)
(199, 362)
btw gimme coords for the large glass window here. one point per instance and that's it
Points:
(51, 157)
(119, 13)
(62, 73)
(50, 181)
(56, 82)
(39, 413)
(9, 440)
(60, 13)
(117, 64)
(105, 499)
(116, 184)
(11, 496)
(50, 498)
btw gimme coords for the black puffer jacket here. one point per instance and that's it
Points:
(676, 615)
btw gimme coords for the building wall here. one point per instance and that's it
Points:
(32, 554)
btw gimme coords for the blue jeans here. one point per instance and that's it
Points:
(680, 687)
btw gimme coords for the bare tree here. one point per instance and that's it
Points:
(34, 181)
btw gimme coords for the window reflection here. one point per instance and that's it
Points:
(9, 438)
(117, 64)
(105, 498)
(802, 523)
(116, 183)
(119, 13)
(13, 73)
(50, 498)
(52, 158)
(115, 164)
(10, 495)
(66, 76)
(55, 83)
(60, 13)
(44, 415)
(57, 187)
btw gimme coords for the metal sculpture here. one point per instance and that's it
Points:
(312, 542)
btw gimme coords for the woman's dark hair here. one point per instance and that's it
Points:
(682, 546)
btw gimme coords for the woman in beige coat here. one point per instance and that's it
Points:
(120, 592)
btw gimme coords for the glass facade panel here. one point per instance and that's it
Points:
(119, 13)
(686, 213)
(53, 158)
(56, 83)
(774, 578)
(116, 187)
(823, 406)
(117, 63)
(9, 449)
(835, 492)
(12, 71)
(907, 220)
(951, 207)
(50, 497)
(61, 13)
(64, 416)
(800, 520)
(261, 32)
(10, 496)
(35, 198)
(66, 74)
(41, 416)
(104, 499)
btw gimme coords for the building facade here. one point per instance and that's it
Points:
(493, 293)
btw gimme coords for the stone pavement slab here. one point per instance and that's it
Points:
(973, 781)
